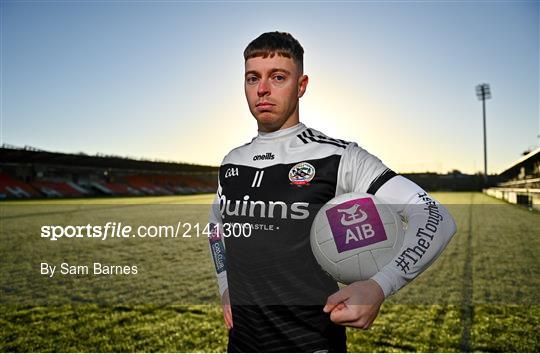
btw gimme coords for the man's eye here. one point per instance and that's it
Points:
(251, 80)
(279, 78)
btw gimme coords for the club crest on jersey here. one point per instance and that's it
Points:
(301, 173)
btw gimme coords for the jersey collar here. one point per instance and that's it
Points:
(281, 134)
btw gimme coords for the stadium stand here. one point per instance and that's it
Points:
(520, 181)
(58, 189)
(12, 188)
(32, 173)
(146, 184)
(453, 181)
(115, 188)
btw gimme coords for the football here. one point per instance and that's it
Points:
(354, 235)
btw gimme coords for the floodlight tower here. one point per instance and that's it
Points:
(483, 92)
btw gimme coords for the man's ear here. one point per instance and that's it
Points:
(302, 85)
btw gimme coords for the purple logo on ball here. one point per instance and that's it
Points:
(355, 224)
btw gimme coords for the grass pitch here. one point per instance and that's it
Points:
(480, 295)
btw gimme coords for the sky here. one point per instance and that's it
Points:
(164, 79)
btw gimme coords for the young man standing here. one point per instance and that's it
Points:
(275, 297)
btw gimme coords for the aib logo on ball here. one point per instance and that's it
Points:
(355, 223)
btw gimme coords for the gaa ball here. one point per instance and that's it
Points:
(354, 235)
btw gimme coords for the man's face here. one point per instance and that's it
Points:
(273, 86)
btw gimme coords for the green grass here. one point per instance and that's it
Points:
(480, 295)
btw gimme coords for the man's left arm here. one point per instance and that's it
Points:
(429, 229)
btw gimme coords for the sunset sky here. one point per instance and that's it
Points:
(164, 79)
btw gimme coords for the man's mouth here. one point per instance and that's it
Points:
(265, 104)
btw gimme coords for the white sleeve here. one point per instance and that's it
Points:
(217, 246)
(358, 169)
(429, 229)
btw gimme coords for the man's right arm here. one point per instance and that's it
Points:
(217, 250)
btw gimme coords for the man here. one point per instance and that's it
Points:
(275, 297)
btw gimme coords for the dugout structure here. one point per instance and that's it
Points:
(520, 181)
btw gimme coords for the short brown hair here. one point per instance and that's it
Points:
(270, 43)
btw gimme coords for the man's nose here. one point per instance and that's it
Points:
(263, 88)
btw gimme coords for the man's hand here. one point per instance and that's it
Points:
(356, 305)
(226, 306)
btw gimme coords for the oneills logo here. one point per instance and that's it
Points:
(267, 156)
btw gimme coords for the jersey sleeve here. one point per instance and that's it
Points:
(360, 171)
(217, 246)
(429, 224)
(429, 230)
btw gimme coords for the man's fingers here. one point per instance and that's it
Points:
(361, 323)
(353, 316)
(227, 315)
(362, 304)
(340, 306)
(334, 299)
(343, 314)
(228, 318)
(226, 307)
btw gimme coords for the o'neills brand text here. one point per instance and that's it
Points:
(424, 235)
(267, 156)
(262, 209)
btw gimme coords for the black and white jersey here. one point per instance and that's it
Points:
(276, 184)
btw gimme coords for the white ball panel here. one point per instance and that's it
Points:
(323, 232)
(321, 257)
(368, 267)
(391, 234)
(383, 256)
(385, 213)
(348, 270)
(360, 263)
(361, 266)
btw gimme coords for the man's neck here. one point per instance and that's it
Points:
(293, 120)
